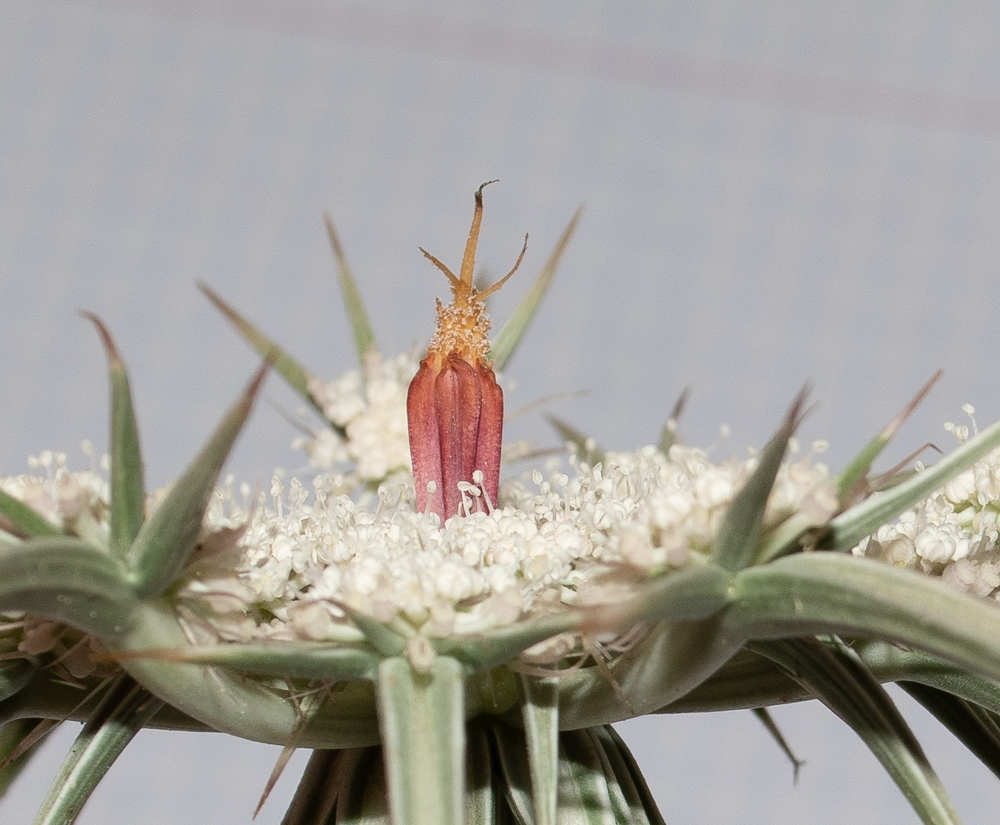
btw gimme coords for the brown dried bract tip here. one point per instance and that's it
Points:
(463, 326)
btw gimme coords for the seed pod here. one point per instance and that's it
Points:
(454, 406)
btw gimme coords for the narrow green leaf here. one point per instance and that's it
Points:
(765, 718)
(421, 716)
(231, 703)
(599, 781)
(832, 593)
(892, 663)
(286, 366)
(341, 787)
(507, 340)
(168, 537)
(121, 714)
(24, 519)
(736, 541)
(512, 752)
(585, 792)
(662, 666)
(494, 648)
(128, 490)
(540, 712)
(749, 680)
(847, 529)
(364, 335)
(794, 534)
(44, 698)
(679, 596)
(362, 798)
(858, 468)
(638, 803)
(842, 683)
(67, 580)
(972, 725)
(483, 800)
(587, 451)
(386, 640)
(744, 682)
(293, 660)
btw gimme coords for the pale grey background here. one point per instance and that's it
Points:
(775, 193)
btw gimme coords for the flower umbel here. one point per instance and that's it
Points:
(454, 407)
(480, 660)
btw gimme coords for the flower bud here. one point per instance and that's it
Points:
(454, 406)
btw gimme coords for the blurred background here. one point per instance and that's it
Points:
(775, 193)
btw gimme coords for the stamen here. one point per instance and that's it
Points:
(970, 411)
(431, 490)
(468, 489)
(478, 477)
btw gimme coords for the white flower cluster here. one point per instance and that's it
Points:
(308, 561)
(72, 501)
(298, 561)
(954, 533)
(370, 411)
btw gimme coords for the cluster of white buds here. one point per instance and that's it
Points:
(369, 412)
(572, 537)
(954, 533)
(75, 501)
